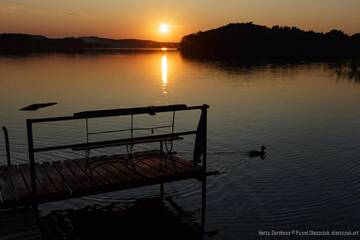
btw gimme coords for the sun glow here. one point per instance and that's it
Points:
(164, 28)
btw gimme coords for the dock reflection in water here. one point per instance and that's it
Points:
(146, 218)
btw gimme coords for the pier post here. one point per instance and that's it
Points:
(204, 128)
(7, 144)
(204, 165)
(162, 162)
(31, 161)
(203, 205)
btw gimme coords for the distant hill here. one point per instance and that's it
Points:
(250, 42)
(25, 43)
(125, 43)
(22, 43)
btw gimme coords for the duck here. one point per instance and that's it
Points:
(258, 153)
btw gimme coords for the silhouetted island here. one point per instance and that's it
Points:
(250, 42)
(26, 43)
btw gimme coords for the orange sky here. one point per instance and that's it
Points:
(142, 18)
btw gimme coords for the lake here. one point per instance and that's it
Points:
(305, 114)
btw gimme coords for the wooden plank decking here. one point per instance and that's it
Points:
(71, 178)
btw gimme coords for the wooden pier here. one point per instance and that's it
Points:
(36, 183)
(72, 178)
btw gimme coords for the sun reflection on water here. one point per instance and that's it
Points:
(164, 73)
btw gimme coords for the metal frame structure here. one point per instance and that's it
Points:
(200, 142)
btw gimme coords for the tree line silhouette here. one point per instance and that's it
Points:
(250, 42)
(25, 43)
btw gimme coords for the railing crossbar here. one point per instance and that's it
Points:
(118, 112)
(78, 145)
(129, 129)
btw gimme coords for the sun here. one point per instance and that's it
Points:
(164, 28)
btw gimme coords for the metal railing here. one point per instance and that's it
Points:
(200, 148)
(7, 145)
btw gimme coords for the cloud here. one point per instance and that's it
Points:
(75, 14)
(12, 8)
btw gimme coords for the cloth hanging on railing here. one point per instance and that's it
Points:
(200, 140)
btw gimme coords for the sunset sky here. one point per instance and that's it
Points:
(142, 18)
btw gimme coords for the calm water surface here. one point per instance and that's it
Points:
(306, 117)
